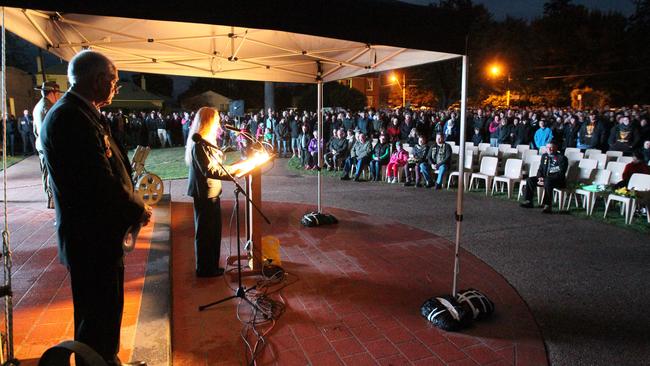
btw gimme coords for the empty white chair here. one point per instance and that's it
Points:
(451, 143)
(600, 158)
(617, 171)
(530, 152)
(504, 146)
(571, 149)
(529, 159)
(483, 145)
(614, 154)
(573, 155)
(625, 159)
(600, 177)
(523, 148)
(489, 151)
(486, 173)
(467, 169)
(638, 182)
(563, 194)
(455, 149)
(586, 168)
(590, 152)
(511, 175)
(532, 171)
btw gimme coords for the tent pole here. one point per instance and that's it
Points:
(319, 107)
(461, 172)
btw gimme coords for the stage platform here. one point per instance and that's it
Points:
(354, 298)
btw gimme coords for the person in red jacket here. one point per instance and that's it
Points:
(638, 165)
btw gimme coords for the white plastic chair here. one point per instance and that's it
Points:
(528, 160)
(563, 194)
(574, 156)
(483, 145)
(486, 173)
(451, 143)
(601, 177)
(467, 169)
(625, 159)
(490, 151)
(571, 149)
(617, 171)
(532, 171)
(638, 182)
(522, 148)
(455, 149)
(600, 158)
(590, 152)
(503, 147)
(614, 154)
(586, 168)
(511, 175)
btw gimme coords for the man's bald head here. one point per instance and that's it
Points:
(87, 65)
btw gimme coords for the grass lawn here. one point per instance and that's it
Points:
(639, 224)
(11, 160)
(169, 163)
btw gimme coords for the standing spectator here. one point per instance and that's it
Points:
(493, 129)
(398, 159)
(591, 134)
(26, 129)
(644, 130)
(623, 137)
(363, 124)
(186, 123)
(646, 151)
(294, 127)
(151, 125)
(504, 132)
(571, 131)
(169, 130)
(522, 132)
(479, 122)
(451, 132)
(348, 122)
(359, 157)
(11, 134)
(281, 136)
(551, 175)
(543, 135)
(303, 144)
(84, 162)
(50, 94)
(380, 156)
(406, 127)
(271, 122)
(393, 130)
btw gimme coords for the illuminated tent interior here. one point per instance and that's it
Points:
(186, 40)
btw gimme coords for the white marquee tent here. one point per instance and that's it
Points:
(221, 51)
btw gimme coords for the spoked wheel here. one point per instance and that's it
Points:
(150, 188)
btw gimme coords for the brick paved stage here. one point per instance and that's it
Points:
(355, 297)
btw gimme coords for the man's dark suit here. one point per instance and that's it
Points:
(95, 205)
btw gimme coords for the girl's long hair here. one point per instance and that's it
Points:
(205, 123)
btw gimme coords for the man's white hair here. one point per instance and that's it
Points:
(86, 65)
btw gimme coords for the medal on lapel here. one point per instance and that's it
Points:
(107, 143)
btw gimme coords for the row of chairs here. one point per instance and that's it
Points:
(586, 171)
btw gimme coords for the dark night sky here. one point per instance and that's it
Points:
(531, 8)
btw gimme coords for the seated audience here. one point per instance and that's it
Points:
(380, 155)
(398, 159)
(440, 159)
(359, 157)
(551, 174)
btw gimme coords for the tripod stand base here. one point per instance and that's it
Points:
(239, 293)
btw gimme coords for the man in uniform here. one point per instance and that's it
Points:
(551, 175)
(49, 95)
(94, 201)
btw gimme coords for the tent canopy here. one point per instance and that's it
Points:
(206, 50)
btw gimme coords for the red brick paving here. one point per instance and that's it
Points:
(357, 300)
(42, 298)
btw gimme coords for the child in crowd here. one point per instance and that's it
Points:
(268, 136)
(398, 159)
(259, 134)
(477, 138)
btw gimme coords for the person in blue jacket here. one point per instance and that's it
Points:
(543, 135)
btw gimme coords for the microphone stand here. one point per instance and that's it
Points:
(241, 291)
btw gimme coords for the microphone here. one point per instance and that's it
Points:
(199, 139)
(231, 128)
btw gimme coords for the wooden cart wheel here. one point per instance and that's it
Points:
(150, 187)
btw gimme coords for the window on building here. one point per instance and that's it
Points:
(370, 101)
(370, 84)
(346, 82)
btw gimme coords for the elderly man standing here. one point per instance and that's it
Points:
(50, 94)
(94, 201)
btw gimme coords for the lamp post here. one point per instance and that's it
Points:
(402, 86)
(496, 70)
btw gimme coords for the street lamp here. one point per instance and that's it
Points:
(495, 70)
(394, 79)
